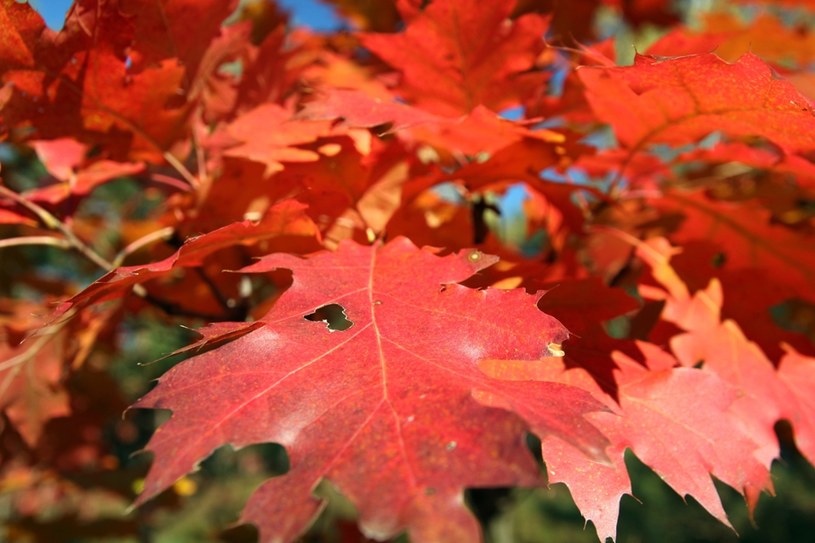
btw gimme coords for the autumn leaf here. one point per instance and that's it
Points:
(766, 36)
(747, 238)
(268, 134)
(796, 371)
(352, 190)
(356, 108)
(764, 397)
(384, 399)
(282, 226)
(174, 29)
(742, 302)
(9, 215)
(720, 345)
(584, 306)
(680, 100)
(75, 176)
(456, 55)
(671, 418)
(31, 385)
(172, 163)
(675, 420)
(35, 360)
(82, 81)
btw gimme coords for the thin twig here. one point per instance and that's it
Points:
(36, 240)
(181, 169)
(52, 222)
(159, 235)
(55, 224)
(234, 312)
(172, 308)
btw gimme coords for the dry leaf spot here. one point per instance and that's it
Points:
(334, 317)
(555, 349)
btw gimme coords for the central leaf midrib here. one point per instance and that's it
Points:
(384, 371)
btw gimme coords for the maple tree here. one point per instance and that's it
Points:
(455, 245)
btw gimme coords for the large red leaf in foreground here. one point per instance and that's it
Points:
(392, 410)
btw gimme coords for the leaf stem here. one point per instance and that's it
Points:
(235, 312)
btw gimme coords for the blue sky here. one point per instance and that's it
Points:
(304, 13)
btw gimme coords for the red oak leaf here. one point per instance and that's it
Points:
(357, 108)
(34, 364)
(81, 81)
(766, 36)
(480, 131)
(350, 189)
(746, 236)
(764, 396)
(798, 374)
(269, 135)
(263, 78)
(583, 305)
(60, 156)
(20, 26)
(181, 29)
(31, 389)
(64, 158)
(680, 100)
(456, 55)
(391, 407)
(9, 215)
(676, 420)
(749, 306)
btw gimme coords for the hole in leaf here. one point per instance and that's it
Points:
(489, 503)
(334, 317)
(719, 260)
(795, 315)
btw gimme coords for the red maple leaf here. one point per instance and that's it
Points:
(391, 407)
